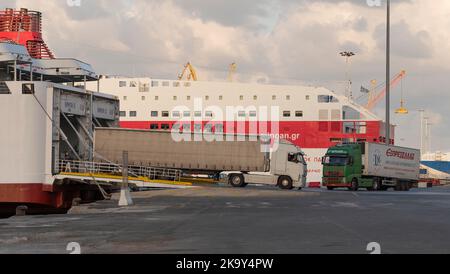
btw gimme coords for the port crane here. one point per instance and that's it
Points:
(374, 99)
(190, 73)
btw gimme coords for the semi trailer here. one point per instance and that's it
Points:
(371, 166)
(238, 160)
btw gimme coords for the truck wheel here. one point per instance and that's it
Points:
(285, 182)
(355, 185)
(401, 186)
(375, 185)
(237, 180)
(408, 186)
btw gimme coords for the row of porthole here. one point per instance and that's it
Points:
(208, 114)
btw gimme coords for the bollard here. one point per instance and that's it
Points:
(21, 210)
(125, 196)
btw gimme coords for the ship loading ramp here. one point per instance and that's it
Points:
(110, 174)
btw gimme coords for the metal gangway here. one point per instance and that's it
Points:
(140, 176)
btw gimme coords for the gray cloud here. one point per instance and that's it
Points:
(274, 40)
(405, 42)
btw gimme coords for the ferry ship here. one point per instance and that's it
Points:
(45, 120)
(313, 118)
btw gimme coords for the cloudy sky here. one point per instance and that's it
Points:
(273, 41)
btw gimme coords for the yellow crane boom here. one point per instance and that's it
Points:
(190, 73)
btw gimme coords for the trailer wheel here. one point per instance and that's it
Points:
(355, 185)
(401, 186)
(408, 186)
(285, 182)
(237, 180)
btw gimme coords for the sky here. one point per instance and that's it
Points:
(291, 42)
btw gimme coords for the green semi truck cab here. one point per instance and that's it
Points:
(371, 166)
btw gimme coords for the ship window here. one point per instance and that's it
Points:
(335, 126)
(176, 127)
(242, 114)
(155, 84)
(286, 114)
(323, 126)
(176, 114)
(154, 126)
(125, 98)
(206, 98)
(349, 127)
(187, 114)
(198, 127)
(208, 128)
(299, 113)
(253, 113)
(165, 114)
(122, 113)
(323, 114)
(218, 128)
(165, 84)
(187, 84)
(154, 114)
(122, 84)
(288, 97)
(327, 99)
(156, 98)
(307, 97)
(165, 126)
(274, 97)
(133, 84)
(27, 88)
(255, 97)
(209, 114)
(241, 97)
(220, 98)
(188, 98)
(143, 98)
(186, 127)
(335, 114)
(143, 87)
(198, 114)
(4, 89)
(176, 84)
(133, 113)
(175, 98)
(349, 113)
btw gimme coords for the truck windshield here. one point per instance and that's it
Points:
(296, 158)
(336, 160)
(301, 158)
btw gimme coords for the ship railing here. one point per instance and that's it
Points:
(102, 168)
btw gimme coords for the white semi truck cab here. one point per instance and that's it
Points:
(287, 169)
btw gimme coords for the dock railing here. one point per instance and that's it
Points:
(101, 168)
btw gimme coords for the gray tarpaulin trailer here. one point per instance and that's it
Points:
(241, 157)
